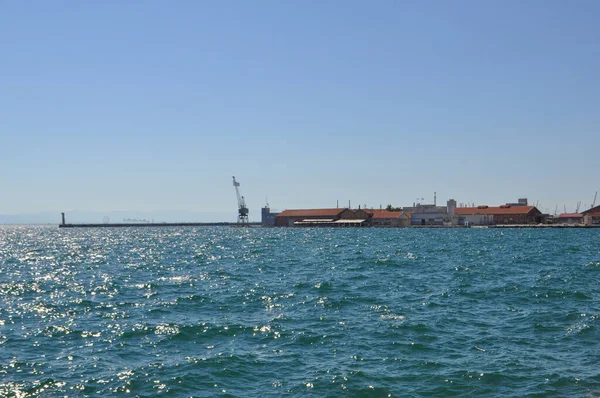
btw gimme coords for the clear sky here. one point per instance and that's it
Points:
(154, 105)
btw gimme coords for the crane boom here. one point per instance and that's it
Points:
(242, 208)
(595, 196)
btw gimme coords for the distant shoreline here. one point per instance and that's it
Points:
(257, 224)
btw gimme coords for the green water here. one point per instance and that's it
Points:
(299, 312)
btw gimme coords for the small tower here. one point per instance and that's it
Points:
(451, 207)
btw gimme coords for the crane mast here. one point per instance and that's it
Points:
(242, 208)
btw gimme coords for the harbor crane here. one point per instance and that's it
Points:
(242, 208)
(594, 203)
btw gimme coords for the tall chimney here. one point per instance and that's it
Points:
(63, 218)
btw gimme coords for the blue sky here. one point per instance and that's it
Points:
(154, 105)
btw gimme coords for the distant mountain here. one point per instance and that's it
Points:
(119, 216)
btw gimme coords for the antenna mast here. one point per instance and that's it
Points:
(242, 208)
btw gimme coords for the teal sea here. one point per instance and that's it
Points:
(299, 312)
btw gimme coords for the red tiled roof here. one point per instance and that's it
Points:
(594, 211)
(308, 213)
(570, 215)
(383, 213)
(504, 210)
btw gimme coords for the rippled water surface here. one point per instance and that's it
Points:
(299, 312)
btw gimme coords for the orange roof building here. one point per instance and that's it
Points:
(570, 218)
(591, 216)
(505, 214)
(312, 213)
(322, 217)
(385, 218)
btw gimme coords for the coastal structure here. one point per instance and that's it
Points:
(428, 215)
(267, 218)
(431, 214)
(385, 218)
(345, 217)
(591, 216)
(322, 217)
(419, 215)
(498, 215)
(569, 218)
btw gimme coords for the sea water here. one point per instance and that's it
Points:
(299, 312)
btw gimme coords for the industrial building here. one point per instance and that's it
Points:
(569, 218)
(426, 215)
(520, 202)
(505, 214)
(344, 217)
(592, 216)
(431, 214)
(385, 218)
(267, 218)
(322, 217)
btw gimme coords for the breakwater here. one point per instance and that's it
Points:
(140, 225)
